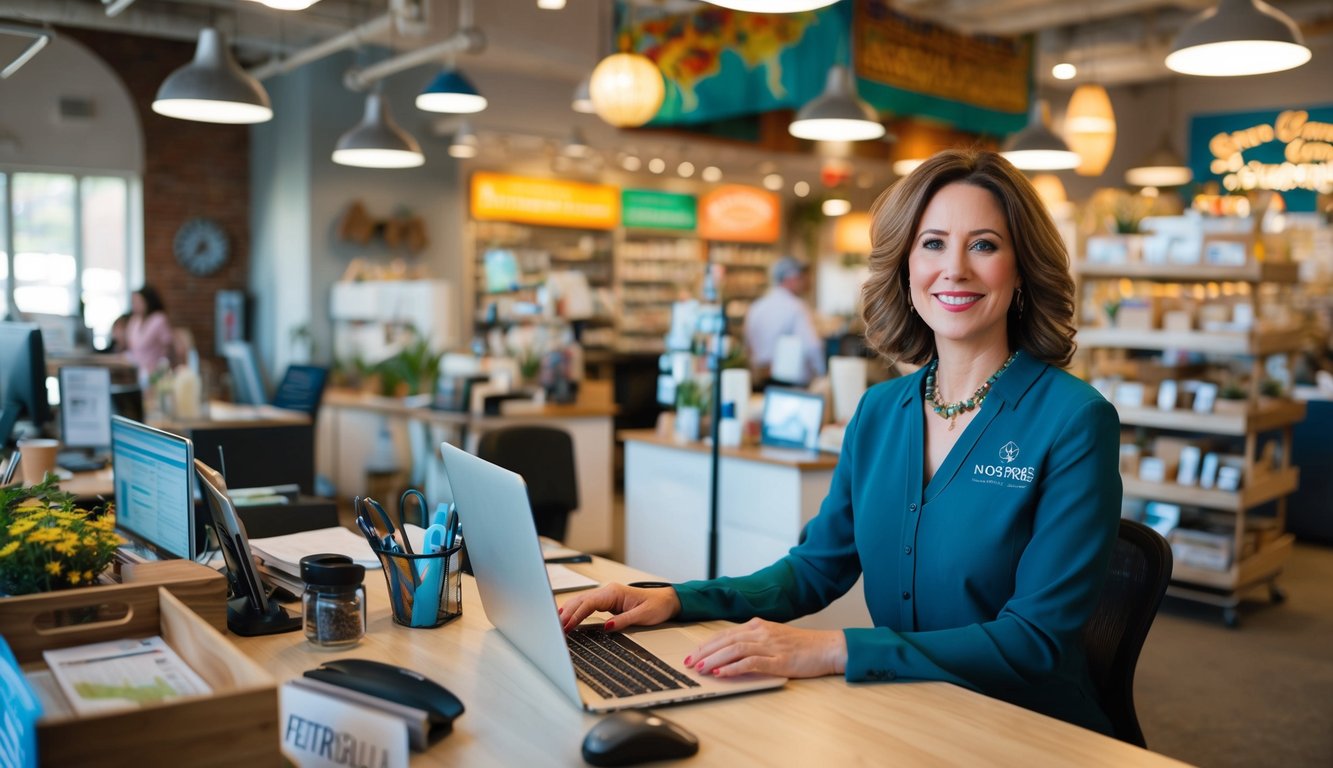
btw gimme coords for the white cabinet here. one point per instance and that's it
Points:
(371, 319)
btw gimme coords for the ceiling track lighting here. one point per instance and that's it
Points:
(837, 114)
(772, 6)
(377, 141)
(451, 92)
(1036, 147)
(1238, 37)
(213, 88)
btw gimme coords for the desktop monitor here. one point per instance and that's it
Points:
(247, 387)
(301, 388)
(280, 454)
(22, 378)
(154, 480)
(85, 407)
(792, 418)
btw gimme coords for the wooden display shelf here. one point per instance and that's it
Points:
(1264, 488)
(1257, 568)
(1287, 273)
(1220, 342)
(1262, 418)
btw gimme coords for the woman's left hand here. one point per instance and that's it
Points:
(773, 649)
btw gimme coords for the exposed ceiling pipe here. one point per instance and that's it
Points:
(69, 14)
(404, 16)
(466, 39)
(40, 35)
(114, 7)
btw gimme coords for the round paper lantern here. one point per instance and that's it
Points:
(1090, 128)
(626, 89)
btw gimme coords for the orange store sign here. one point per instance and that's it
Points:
(528, 200)
(740, 214)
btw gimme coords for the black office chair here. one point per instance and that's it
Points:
(1139, 572)
(544, 456)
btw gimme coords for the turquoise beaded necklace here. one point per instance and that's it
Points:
(950, 411)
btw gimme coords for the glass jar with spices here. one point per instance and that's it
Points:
(334, 602)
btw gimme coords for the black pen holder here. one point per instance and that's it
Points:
(425, 590)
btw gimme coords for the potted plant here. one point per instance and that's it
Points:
(46, 543)
(1270, 392)
(691, 397)
(1232, 398)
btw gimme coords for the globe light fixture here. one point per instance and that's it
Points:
(377, 141)
(626, 89)
(1238, 37)
(837, 114)
(451, 92)
(835, 206)
(213, 88)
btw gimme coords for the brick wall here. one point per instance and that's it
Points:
(190, 169)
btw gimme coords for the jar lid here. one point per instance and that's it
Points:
(331, 570)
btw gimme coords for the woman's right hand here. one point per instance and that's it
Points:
(629, 606)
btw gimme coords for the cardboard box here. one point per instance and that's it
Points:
(1202, 549)
(1178, 320)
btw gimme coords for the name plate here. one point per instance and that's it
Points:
(319, 731)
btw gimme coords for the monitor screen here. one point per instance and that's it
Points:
(247, 388)
(154, 477)
(501, 269)
(792, 418)
(85, 407)
(22, 377)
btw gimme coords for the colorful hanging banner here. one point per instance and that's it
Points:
(719, 63)
(527, 200)
(650, 209)
(1287, 150)
(740, 214)
(911, 67)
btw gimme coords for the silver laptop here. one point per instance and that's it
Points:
(587, 666)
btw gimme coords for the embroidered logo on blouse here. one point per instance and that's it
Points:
(1007, 474)
(1009, 452)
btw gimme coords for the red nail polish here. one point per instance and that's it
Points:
(609, 625)
(717, 672)
(700, 666)
(687, 661)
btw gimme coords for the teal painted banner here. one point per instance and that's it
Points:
(650, 209)
(1286, 150)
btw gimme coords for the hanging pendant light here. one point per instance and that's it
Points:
(1238, 37)
(772, 6)
(213, 88)
(377, 141)
(582, 100)
(575, 145)
(1090, 128)
(626, 89)
(1161, 168)
(465, 143)
(451, 92)
(1036, 148)
(837, 114)
(288, 5)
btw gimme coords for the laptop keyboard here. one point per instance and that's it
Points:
(615, 666)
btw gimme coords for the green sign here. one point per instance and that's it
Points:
(649, 209)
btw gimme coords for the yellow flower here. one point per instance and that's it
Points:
(9, 549)
(22, 527)
(44, 536)
(74, 577)
(55, 567)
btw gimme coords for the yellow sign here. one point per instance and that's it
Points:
(527, 200)
(1307, 155)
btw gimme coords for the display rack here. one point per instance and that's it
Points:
(1259, 544)
(654, 268)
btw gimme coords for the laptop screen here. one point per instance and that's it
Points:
(153, 473)
(792, 418)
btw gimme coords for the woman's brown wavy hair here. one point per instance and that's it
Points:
(1044, 328)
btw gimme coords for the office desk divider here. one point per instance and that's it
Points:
(425, 590)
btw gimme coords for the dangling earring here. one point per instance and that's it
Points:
(1018, 300)
(911, 308)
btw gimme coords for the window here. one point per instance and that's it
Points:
(72, 246)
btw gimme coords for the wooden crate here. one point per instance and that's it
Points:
(237, 724)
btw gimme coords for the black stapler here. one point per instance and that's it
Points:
(395, 684)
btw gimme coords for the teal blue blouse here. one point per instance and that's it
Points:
(983, 577)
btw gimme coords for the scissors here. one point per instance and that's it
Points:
(396, 535)
(421, 505)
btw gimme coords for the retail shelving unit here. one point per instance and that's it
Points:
(745, 273)
(1263, 481)
(654, 268)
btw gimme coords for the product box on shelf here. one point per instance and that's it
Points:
(235, 724)
(1202, 549)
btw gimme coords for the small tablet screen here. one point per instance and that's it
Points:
(792, 418)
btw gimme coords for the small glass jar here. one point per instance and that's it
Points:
(334, 603)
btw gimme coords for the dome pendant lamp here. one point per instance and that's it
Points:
(377, 141)
(213, 88)
(1238, 37)
(772, 6)
(1090, 128)
(1036, 148)
(837, 114)
(451, 92)
(1162, 168)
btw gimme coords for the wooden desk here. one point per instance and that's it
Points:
(514, 716)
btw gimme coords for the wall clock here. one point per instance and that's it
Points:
(201, 246)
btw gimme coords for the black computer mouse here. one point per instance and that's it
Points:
(634, 736)
(393, 683)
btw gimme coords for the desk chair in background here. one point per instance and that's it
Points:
(1139, 572)
(544, 456)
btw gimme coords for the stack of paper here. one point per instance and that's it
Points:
(284, 553)
(122, 674)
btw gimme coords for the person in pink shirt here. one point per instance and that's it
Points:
(149, 338)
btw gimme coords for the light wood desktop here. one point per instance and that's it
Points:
(515, 716)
